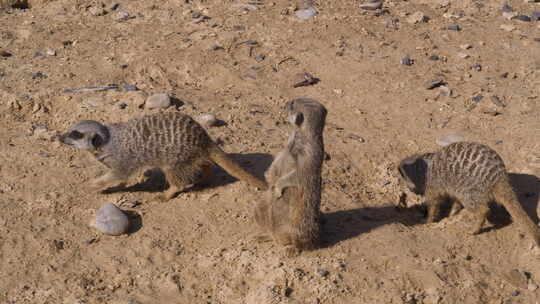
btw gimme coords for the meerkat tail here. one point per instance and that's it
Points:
(505, 195)
(221, 159)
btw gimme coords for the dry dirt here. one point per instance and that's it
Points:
(197, 248)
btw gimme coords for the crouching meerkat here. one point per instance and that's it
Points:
(173, 142)
(471, 175)
(290, 212)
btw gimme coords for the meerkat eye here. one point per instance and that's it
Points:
(97, 140)
(299, 119)
(75, 135)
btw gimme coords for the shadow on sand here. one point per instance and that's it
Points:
(343, 225)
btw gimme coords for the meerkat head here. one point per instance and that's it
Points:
(301, 110)
(86, 135)
(413, 171)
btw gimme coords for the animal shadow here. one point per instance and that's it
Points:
(254, 163)
(346, 224)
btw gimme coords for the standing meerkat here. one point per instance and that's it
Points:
(290, 212)
(173, 142)
(470, 174)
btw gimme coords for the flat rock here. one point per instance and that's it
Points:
(158, 101)
(306, 14)
(446, 140)
(207, 120)
(417, 17)
(372, 5)
(111, 220)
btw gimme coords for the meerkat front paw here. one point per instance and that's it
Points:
(291, 252)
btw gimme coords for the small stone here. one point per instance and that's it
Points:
(522, 18)
(463, 55)
(446, 140)
(445, 91)
(323, 272)
(465, 46)
(406, 60)
(39, 75)
(122, 16)
(476, 67)
(417, 17)
(456, 28)
(532, 287)
(130, 87)
(432, 84)
(507, 27)
(304, 79)
(259, 58)
(216, 47)
(497, 101)
(509, 15)
(97, 11)
(5, 53)
(89, 241)
(306, 14)
(93, 102)
(111, 220)
(158, 101)
(208, 120)
(114, 6)
(535, 16)
(434, 57)
(515, 293)
(357, 138)
(373, 5)
(477, 98)
(50, 52)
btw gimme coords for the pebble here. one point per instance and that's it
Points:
(507, 27)
(476, 67)
(259, 58)
(158, 101)
(208, 120)
(454, 28)
(432, 84)
(532, 287)
(463, 55)
(122, 16)
(477, 98)
(373, 5)
(523, 18)
(417, 17)
(111, 220)
(216, 47)
(446, 140)
(39, 75)
(5, 53)
(130, 87)
(406, 60)
(306, 14)
(50, 52)
(323, 272)
(434, 57)
(497, 101)
(535, 16)
(96, 11)
(304, 79)
(93, 102)
(509, 15)
(465, 46)
(445, 91)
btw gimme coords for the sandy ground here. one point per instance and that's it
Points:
(197, 248)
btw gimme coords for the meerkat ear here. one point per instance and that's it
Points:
(408, 170)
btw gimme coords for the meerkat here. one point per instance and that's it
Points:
(173, 142)
(290, 212)
(471, 175)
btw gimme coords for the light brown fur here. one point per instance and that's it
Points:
(173, 142)
(470, 174)
(290, 212)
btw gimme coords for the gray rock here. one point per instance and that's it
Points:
(432, 84)
(130, 87)
(373, 5)
(306, 14)
(158, 101)
(50, 52)
(523, 18)
(535, 16)
(406, 60)
(497, 101)
(122, 16)
(111, 220)
(417, 17)
(456, 28)
(208, 120)
(96, 11)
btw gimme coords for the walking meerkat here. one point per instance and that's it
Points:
(470, 174)
(174, 142)
(290, 212)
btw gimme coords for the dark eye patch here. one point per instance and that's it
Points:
(75, 135)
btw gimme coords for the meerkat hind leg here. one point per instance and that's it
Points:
(433, 208)
(178, 179)
(285, 181)
(481, 214)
